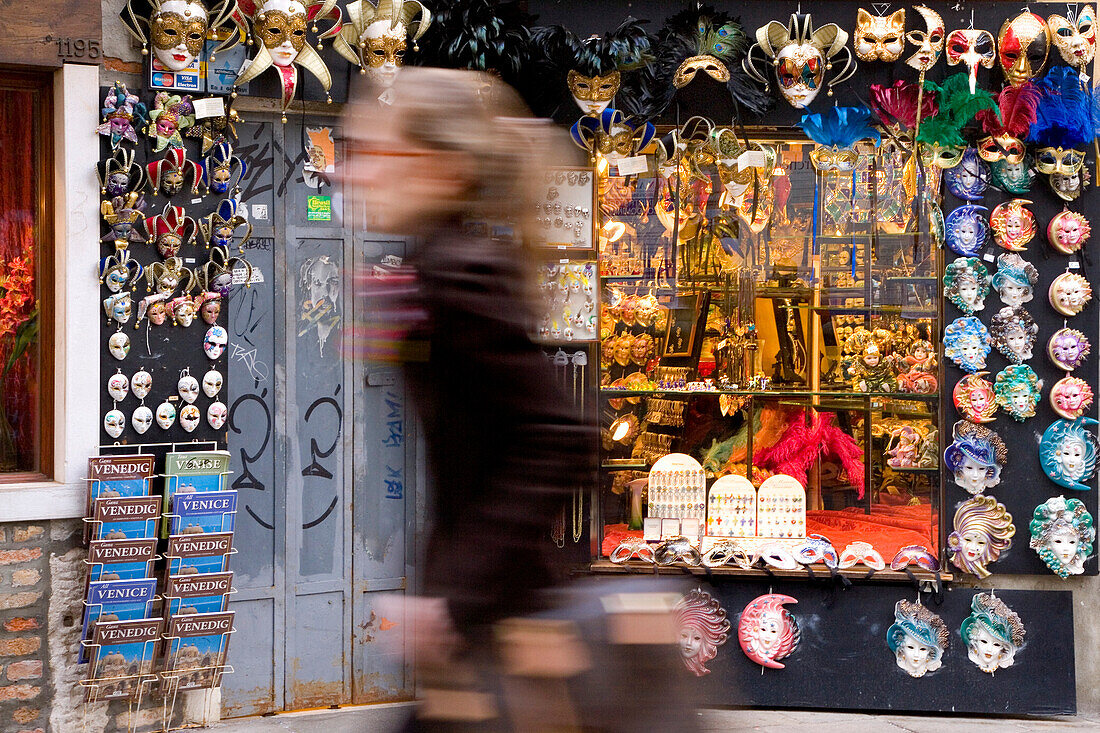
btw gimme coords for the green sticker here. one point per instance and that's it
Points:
(318, 208)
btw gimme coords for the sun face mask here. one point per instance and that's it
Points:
(973, 48)
(802, 57)
(879, 37)
(1013, 225)
(376, 38)
(929, 42)
(1068, 231)
(1075, 37)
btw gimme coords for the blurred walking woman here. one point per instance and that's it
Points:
(504, 445)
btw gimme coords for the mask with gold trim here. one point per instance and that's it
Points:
(178, 29)
(219, 228)
(940, 136)
(123, 114)
(1007, 131)
(929, 42)
(613, 135)
(170, 116)
(1022, 47)
(167, 175)
(836, 132)
(376, 38)
(972, 48)
(1075, 36)
(222, 170)
(1062, 130)
(171, 229)
(802, 56)
(593, 93)
(726, 149)
(879, 37)
(124, 215)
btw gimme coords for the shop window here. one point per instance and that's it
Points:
(25, 256)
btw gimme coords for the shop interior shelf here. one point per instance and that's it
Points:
(614, 394)
(819, 572)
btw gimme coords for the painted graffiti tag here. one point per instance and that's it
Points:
(247, 479)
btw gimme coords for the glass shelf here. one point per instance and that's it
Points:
(614, 394)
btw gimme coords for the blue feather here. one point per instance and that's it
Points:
(1063, 118)
(841, 126)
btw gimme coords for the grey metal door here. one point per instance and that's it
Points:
(316, 453)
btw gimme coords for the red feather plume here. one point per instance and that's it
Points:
(897, 104)
(1017, 106)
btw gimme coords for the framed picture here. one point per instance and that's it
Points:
(565, 212)
(685, 324)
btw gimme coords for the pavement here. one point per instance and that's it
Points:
(385, 718)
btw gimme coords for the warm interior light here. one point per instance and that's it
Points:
(613, 231)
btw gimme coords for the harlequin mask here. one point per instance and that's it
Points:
(171, 229)
(142, 419)
(167, 175)
(171, 115)
(1015, 279)
(1069, 293)
(593, 93)
(141, 383)
(219, 227)
(212, 383)
(974, 398)
(929, 42)
(209, 305)
(118, 345)
(221, 169)
(217, 273)
(1062, 532)
(375, 38)
(612, 134)
(801, 55)
(183, 310)
(767, 631)
(1068, 348)
(1013, 226)
(118, 386)
(166, 415)
(114, 422)
(154, 307)
(215, 341)
(992, 633)
(1075, 39)
(878, 37)
(1067, 453)
(967, 343)
(123, 214)
(918, 638)
(123, 113)
(1022, 47)
(969, 179)
(118, 307)
(1014, 332)
(966, 283)
(165, 277)
(119, 174)
(179, 28)
(190, 416)
(1068, 231)
(967, 230)
(983, 530)
(120, 271)
(1070, 397)
(973, 48)
(188, 388)
(216, 415)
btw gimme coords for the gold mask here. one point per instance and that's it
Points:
(169, 30)
(834, 159)
(1022, 47)
(879, 37)
(593, 88)
(1058, 160)
(714, 68)
(276, 28)
(384, 50)
(621, 143)
(1076, 42)
(941, 156)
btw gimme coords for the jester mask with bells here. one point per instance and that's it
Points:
(1075, 36)
(219, 228)
(279, 34)
(1022, 47)
(613, 135)
(929, 42)
(375, 39)
(179, 28)
(802, 56)
(879, 37)
(171, 229)
(973, 48)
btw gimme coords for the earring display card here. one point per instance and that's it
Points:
(677, 488)
(731, 508)
(569, 296)
(781, 508)
(565, 211)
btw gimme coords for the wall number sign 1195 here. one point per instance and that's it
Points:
(78, 48)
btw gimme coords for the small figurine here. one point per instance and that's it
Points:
(1014, 332)
(983, 530)
(966, 230)
(1067, 453)
(1015, 279)
(905, 442)
(967, 343)
(1068, 231)
(974, 398)
(767, 631)
(969, 179)
(1013, 226)
(918, 638)
(870, 372)
(919, 368)
(975, 457)
(1018, 390)
(1070, 397)
(1069, 293)
(1068, 348)
(992, 633)
(966, 283)
(702, 626)
(1062, 532)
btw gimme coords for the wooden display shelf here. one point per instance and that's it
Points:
(857, 573)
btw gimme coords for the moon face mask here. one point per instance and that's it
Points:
(929, 42)
(973, 48)
(1075, 38)
(1022, 48)
(1068, 231)
(878, 37)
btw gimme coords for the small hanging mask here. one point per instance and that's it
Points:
(1070, 397)
(1015, 279)
(1014, 178)
(966, 230)
(1018, 388)
(1069, 293)
(767, 631)
(1014, 332)
(974, 399)
(183, 310)
(1062, 533)
(212, 383)
(1075, 38)
(216, 415)
(929, 42)
(222, 170)
(123, 115)
(613, 135)
(114, 422)
(190, 416)
(1068, 231)
(1068, 451)
(219, 228)
(209, 305)
(167, 175)
(166, 415)
(1068, 348)
(188, 388)
(970, 178)
(967, 343)
(141, 383)
(992, 633)
(966, 284)
(118, 345)
(120, 271)
(1013, 225)
(1022, 47)
(973, 48)
(118, 307)
(165, 277)
(878, 37)
(802, 56)
(142, 419)
(118, 386)
(214, 342)
(119, 174)
(918, 638)
(124, 216)
(171, 229)
(170, 116)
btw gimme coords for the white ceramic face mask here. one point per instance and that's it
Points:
(212, 383)
(178, 32)
(216, 415)
(119, 345)
(141, 383)
(166, 415)
(188, 388)
(118, 386)
(114, 422)
(141, 419)
(215, 341)
(189, 417)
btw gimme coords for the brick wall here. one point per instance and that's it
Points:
(24, 595)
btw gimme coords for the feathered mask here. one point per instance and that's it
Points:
(589, 71)
(941, 135)
(612, 134)
(375, 38)
(1006, 133)
(1062, 121)
(836, 131)
(801, 55)
(280, 26)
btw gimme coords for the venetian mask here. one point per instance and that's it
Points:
(966, 283)
(214, 342)
(119, 271)
(375, 38)
(929, 42)
(123, 113)
(613, 135)
(1068, 186)
(1014, 332)
(967, 343)
(118, 345)
(767, 631)
(118, 386)
(188, 388)
(1067, 453)
(183, 310)
(141, 383)
(171, 229)
(221, 169)
(1010, 177)
(702, 627)
(1075, 38)
(802, 57)
(1018, 390)
(970, 178)
(992, 633)
(142, 419)
(220, 226)
(1015, 279)
(171, 115)
(1070, 397)
(1068, 231)
(166, 415)
(973, 48)
(114, 422)
(967, 230)
(1013, 226)
(975, 457)
(878, 37)
(209, 305)
(1069, 293)
(1062, 533)
(974, 398)
(123, 214)
(118, 307)
(1022, 47)
(593, 93)
(190, 416)
(212, 383)
(1067, 348)
(983, 531)
(119, 174)
(216, 415)
(918, 638)
(178, 31)
(167, 175)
